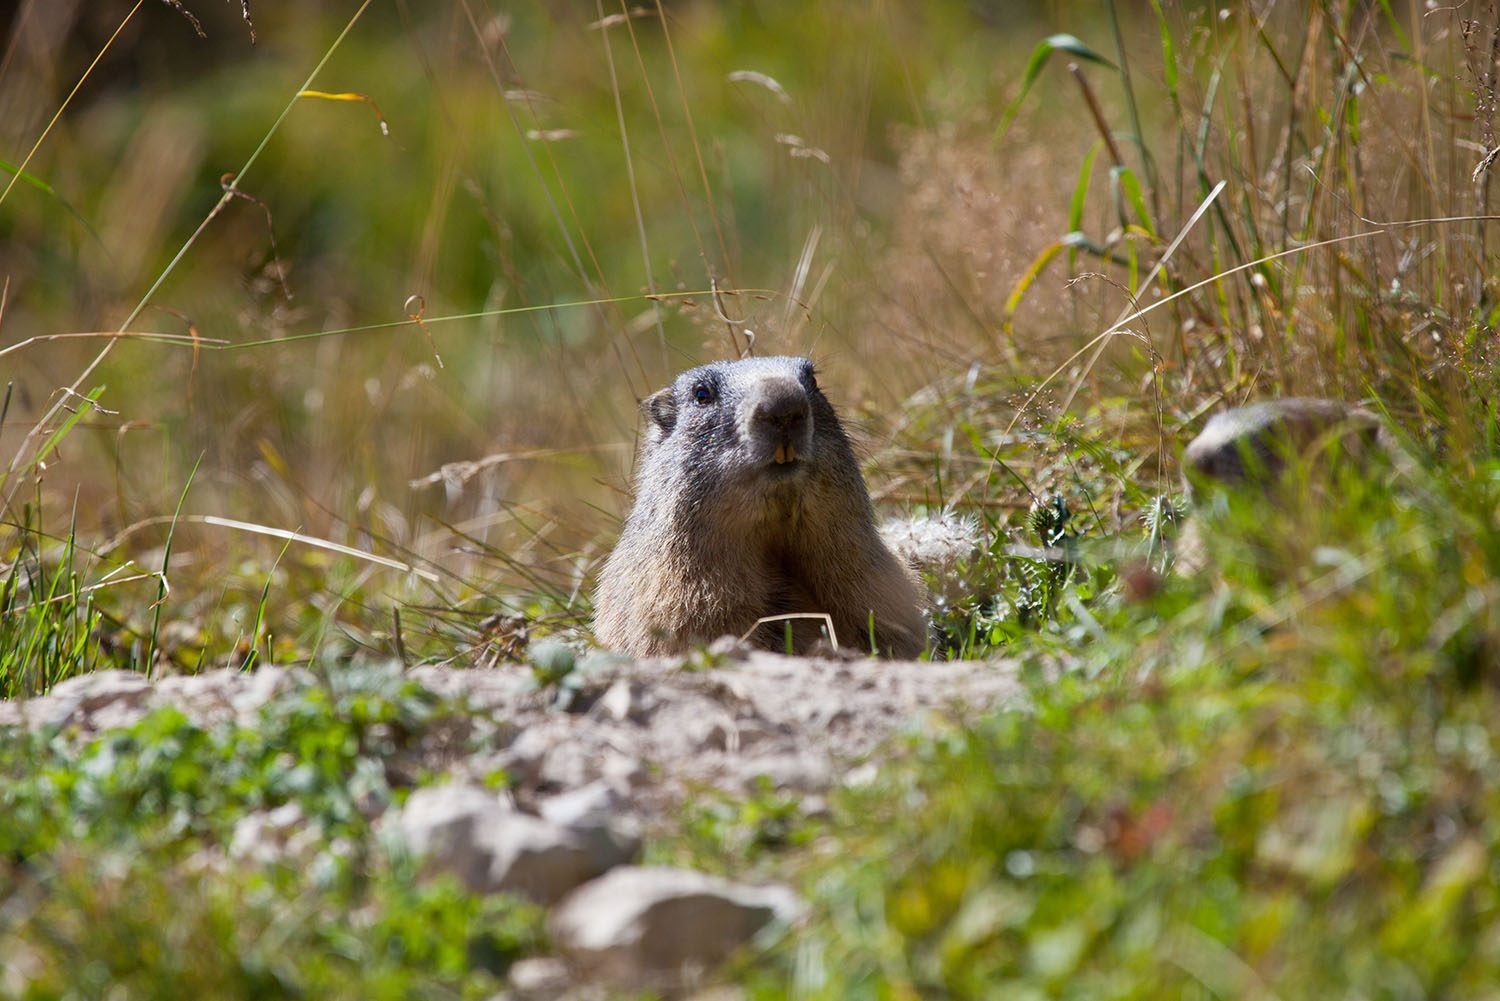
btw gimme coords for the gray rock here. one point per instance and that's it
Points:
(229, 694)
(714, 725)
(1253, 444)
(615, 703)
(721, 992)
(600, 815)
(263, 685)
(522, 760)
(729, 649)
(540, 978)
(97, 701)
(571, 765)
(203, 698)
(714, 733)
(625, 700)
(800, 771)
(472, 833)
(656, 927)
(93, 692)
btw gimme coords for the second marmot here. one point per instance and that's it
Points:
(750, 503)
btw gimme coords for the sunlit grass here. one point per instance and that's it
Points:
(291, 326)
(404, 369)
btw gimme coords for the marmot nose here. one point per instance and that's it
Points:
(783, 413)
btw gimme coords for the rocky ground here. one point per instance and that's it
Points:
(595, 763)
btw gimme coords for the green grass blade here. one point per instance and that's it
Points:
(166, 565)
(47, 189)
(1126, 189)
(56, 437)
(1067, 44)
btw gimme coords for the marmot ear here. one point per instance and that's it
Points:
(661, 407)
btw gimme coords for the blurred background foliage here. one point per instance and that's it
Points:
(756, 131)
(1274, 776)
(902, 191)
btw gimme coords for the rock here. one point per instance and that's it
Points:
(93, 692)
(470, 832)
(625, 700)
(484, 691)
(522, 760)
(228, 695)
(729, 649)
(713, 733)
(264, 684)
(96, 701)
(599, 814)
(824, 715)
(801, 771)
(715, 725)
(721, 992)
(538, 859)
(655, 927)
(539, 978)
(571, 765)
(594, 803)
(1253, 444)
(203, 698)
(107, 700)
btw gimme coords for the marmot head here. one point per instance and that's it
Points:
(758, 428)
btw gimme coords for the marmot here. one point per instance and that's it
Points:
(749, 503)
(1253, 444)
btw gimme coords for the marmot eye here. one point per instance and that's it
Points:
(703, 395)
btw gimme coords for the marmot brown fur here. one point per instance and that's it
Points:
(749, 503)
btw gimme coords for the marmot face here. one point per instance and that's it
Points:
(758, 428)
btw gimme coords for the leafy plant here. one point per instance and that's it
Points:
(118, 884)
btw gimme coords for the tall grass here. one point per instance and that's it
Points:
(1296, 205)
(48, 617)
(1273, 776)
(1255, 202)
(410, 327)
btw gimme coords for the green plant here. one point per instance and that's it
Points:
(719, 832)
(135, 925)
(118, 884)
